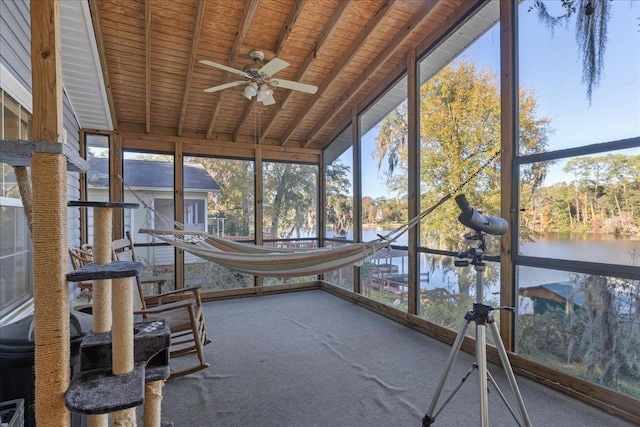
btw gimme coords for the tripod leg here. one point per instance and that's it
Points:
(504, 359)
(430, 415)
(504, 399)
(481, 361)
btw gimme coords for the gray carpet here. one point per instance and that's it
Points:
(313, 359)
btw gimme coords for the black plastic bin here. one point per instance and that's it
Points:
(17, 358)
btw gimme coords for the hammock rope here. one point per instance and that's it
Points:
(270, 261)
(395, 234)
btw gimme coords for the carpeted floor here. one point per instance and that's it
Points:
(313, 359)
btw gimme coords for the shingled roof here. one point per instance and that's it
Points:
(151, 174)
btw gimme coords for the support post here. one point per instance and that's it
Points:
(49, 183)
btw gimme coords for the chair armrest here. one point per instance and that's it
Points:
(153, 279)
(192, 289)
(159, 280)
(165, 307)
(157, 299)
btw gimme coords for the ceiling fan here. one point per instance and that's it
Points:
(259, 80)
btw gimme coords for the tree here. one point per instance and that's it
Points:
(459, 133)
(339, 197)
(603, 195)
(369, 210)
(235, 201)
(290, 193)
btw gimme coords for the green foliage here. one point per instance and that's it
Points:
(290, 198)
(235, 201)
(598, 341)
(549, 334)
(459, 133)
(339, 198)
(384, 212)
(342, 278)
(603, 197)
(445, 309)
(212, 277)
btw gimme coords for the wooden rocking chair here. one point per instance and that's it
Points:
(80, 258)
(182, 308)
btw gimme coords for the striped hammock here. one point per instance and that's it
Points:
(281, 262)
(265, 260)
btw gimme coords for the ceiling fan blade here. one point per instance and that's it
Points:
(273, 66)
(225, 86)
(269, 100)
(225, 68)
(288, 84)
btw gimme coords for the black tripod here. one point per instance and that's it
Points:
(482, 316)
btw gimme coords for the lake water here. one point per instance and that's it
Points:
(601, 248)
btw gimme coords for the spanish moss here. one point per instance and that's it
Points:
(592, 17)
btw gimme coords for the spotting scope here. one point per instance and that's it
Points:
(472, 218)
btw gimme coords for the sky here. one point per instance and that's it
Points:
(550, 65)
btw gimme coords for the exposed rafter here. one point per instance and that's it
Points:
(197, 28)
(147, 68)
(392, 47)
(432, 41)
(156, 82)
(320, 44)
(243, 28)
(294, 13)
(344, 61)
(248, 106)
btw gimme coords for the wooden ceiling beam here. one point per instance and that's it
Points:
(147, 60)
(294, 13)
(327, 31)
(248, 106)
(450, 24)
(246, 49)
(392, 47)
(197, 29)
(243, 28)
(224, 146)
(366, 32)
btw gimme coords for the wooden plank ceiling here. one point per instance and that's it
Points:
(345, 48)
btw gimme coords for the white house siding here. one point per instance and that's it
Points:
(135, 219)
(15, 57)
(15, 40)
(73, 178)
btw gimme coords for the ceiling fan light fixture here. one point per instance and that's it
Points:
(264, 92)
(251, 90)
(257, 78)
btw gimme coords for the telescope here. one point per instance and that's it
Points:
(483, 317)
(472, 218)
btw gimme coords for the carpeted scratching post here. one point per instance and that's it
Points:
(152, 403)
(102, 226)
(51, 292)
(122, 340)
(101, 289)
(118, 359)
